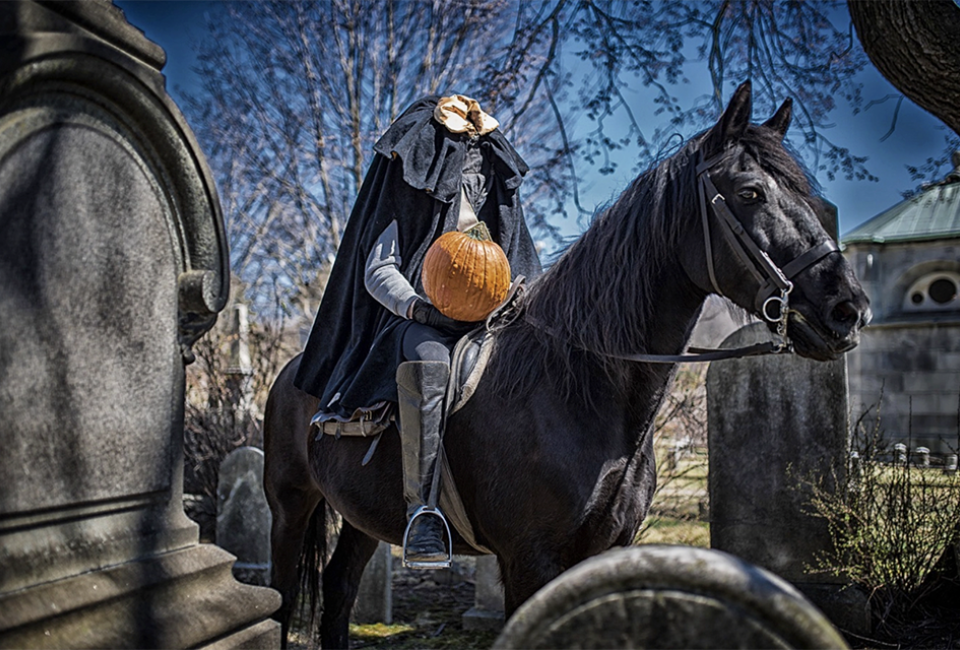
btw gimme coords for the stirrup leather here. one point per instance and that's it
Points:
(430, 511)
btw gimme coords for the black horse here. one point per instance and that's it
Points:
(553, 455)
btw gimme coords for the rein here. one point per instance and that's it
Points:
(772, 279)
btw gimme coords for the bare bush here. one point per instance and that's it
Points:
(226, 391)
(891, 523)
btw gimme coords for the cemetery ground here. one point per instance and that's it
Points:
(428, 605)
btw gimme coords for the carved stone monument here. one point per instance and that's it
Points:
(113, 261)
(774, 424)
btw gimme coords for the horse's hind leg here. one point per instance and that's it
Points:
(293, 513)
(293, 495)
(341, 581)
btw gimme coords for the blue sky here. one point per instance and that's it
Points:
(176, 25)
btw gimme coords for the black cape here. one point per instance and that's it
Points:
(354, 349)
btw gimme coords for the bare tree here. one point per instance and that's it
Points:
(642, 51)
(915, 45)
(294, 97)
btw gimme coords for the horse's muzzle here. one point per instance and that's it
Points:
(831, 332)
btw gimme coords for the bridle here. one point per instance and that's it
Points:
(771, 278)
(775, 283)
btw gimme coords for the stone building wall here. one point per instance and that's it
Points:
(910, 353)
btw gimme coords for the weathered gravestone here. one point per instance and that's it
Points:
(667, 597)
(487, 612)
(775, 422)
(243, 516)
(112, 262)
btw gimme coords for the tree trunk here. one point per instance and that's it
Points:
(916, 46)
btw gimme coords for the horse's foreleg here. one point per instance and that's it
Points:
(524, 574)
(291, 517)
(341, 581)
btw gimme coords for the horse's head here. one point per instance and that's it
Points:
(782, 255)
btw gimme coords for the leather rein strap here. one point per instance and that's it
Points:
(775, 283)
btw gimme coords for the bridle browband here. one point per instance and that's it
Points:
(775, 283)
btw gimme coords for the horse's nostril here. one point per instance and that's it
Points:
(845, 314)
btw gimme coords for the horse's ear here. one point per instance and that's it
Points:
(780, 121)
(733, 123)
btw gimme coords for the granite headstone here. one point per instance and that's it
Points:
(243, 516)
(667, 597)
(113, 261)
(776, 424)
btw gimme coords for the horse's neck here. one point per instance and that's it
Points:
(678, 303)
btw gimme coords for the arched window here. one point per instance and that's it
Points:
(938, 291)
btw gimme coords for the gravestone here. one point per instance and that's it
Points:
(487, 612)
(900, 453)
(243, 516)
(775, 422)
(374, 602)
(113, 261)
(667, 597)
(950, 464)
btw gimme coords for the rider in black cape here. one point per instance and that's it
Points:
(441, 166)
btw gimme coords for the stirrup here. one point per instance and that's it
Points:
(438, 564)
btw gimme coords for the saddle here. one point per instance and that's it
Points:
(467, 363)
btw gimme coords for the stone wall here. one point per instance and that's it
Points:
(910, 358)
(909, 369)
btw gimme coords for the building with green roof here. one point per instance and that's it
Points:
(908, 260)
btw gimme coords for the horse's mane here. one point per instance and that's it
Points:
(596, 299)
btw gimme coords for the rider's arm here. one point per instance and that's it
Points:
(383, 278)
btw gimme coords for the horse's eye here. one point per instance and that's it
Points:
(749, 194)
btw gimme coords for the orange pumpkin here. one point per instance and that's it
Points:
(466, 275)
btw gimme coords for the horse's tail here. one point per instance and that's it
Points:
(313, 555)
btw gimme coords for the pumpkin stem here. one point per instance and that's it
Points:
(479, 232)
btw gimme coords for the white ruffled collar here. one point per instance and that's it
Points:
(462, 114)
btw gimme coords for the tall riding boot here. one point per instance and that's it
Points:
(422, 386)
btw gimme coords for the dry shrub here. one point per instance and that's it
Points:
(226, 390)
(892, 524)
